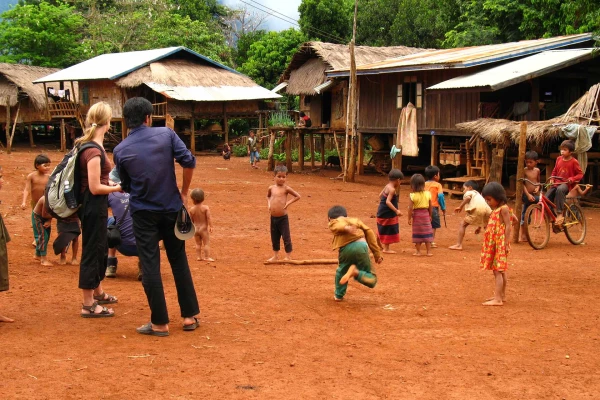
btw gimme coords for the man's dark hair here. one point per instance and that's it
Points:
(41, 159)
(431, 171)
(280, 168)
(337, 211)
(567, 144)
(135, 111)
(532, 155)
(471, 184)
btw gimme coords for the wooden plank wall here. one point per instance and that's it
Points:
(103, 90)
(27, 114)
(339, 104)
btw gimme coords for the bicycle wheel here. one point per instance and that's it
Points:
(575, 225)
(537, 227)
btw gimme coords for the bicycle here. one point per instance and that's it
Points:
(539, 217)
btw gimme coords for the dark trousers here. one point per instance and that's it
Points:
(280, 227)
(557, 195)
(149, 228)
(93, 215)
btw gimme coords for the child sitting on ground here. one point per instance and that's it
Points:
(42, 227)
(226, 151)
(353, 239)
(496, 240)
(478, 212)
(530, 191)
(277, 201)
(419, 214)
(432, 173)
(200, 215)
(35, 184)
(388, 229)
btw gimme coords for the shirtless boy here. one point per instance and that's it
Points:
(277, 200)
(42, 220)
(200, 215)
(35, 185)
(530, 192)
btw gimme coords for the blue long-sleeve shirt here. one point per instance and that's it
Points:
(144, 161)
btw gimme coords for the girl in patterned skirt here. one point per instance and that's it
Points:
(388, 229)
(496, 240)
(419, 214)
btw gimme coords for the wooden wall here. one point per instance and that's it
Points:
(377, 109)
(27, 114)
(339, 105)
(103, 90)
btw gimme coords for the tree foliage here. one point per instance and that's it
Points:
(327, 20)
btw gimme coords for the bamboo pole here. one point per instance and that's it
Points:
(520, 174)
(63, 138)
(288, 150)
(31, 142)
(351, 165)
(312, 151)
(8, 124)
(301, 150)
(270, 159)
(48, 117)
(323, 151)
(12, 135)
(361, 153)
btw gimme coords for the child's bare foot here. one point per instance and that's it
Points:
(38, 258)
(62, 261)
(492, 302)
(46, 263)
(199, 259)
(455, 247)
(337, 298)
(389, 251)
(208, 259)
(274, 258)
(417, 254)
(493, 298)
(74, 261)
(34, 244)
(429, 254)
(587, 189)
(433, 245)
(352, 272)
(6, 319)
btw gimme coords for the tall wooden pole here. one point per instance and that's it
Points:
(12, 135)
(520, 174)
(353, 94)
(8, 125)
(63, 137)
(271, 161)
(31, 142)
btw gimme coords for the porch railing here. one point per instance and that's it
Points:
(63, 109)
(159, 109)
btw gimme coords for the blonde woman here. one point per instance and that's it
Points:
(94, 189)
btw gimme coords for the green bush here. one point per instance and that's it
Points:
(264, 153)
(282, 119)
(240, 150)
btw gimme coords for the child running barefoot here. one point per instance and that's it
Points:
(432, 173)
(419, 214)
(277, 201)
(388, 229)
(477, 210)
(353, 239)
(4, 238)
(35, 185)
(200, 215)
(496, 240)
(42, 225)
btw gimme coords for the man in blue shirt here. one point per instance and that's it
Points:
(144, 162)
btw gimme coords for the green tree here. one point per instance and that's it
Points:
(42, 34)
(243, 46)
(327, 20)
(269, 56)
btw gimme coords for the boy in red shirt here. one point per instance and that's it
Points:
(567, 168)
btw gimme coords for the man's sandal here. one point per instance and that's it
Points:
(105, 298)
(93, 314)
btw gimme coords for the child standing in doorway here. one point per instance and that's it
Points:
(496, 240)
(478, 212)
(35, 185)
(432, 173)
(277, 201)
(419, 214)
(202, 221)
(388, 229)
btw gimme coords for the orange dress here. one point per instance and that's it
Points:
(494, 252)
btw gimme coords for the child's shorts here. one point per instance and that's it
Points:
(435, 218)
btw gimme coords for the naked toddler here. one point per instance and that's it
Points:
(200, 215)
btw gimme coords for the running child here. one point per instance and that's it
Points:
(42, 226)
(202, 221)
(388, 229)
(353, 239)
(432, 173)
(478, 212)
(35, 184)
(419, 214)
(277, 201)
(530, 192)
(567, 167)
(496, 240)
(4, 238)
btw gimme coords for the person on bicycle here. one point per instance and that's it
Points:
(530, 191)
(568, 169)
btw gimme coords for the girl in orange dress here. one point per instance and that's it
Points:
(496, 240)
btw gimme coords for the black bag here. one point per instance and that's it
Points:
(113, 235)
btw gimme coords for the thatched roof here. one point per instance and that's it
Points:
(583, 112)
(302, 78)
(17, 78)
(184, 73)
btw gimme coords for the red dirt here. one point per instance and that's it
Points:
(275, 332)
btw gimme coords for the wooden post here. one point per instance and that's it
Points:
(351, 165)
(30, 129)
(74, 100)
(323, 151)
(468, 146)
(312, 151)
(48, 117)
(63, 137)
(193, 135)
(434, 150)
(288, 150)
(123, 130)
(12, 135)
(8, 149)
(520, 174)
(226, 123)
(301, 151)
(270, 159)
(361, 153)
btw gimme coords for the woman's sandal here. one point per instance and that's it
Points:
(93, 314)
(105, 298)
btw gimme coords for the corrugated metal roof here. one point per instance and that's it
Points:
(222, 93)
(467, 56)
(114, 65)
(517, 71)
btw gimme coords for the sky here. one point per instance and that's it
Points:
(288, 8)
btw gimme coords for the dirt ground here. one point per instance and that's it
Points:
(274, 332)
